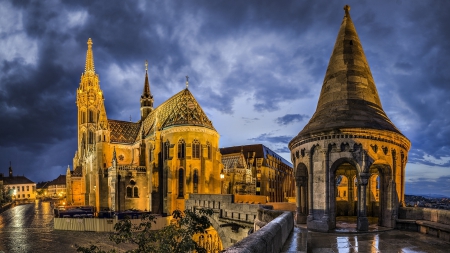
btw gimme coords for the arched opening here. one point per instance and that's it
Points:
(345, 192)
(301, 192)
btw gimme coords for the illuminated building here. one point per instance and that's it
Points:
(19, 187)
(152, 164)
(256, 169)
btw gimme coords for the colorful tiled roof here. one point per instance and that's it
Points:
(182, 109)
(123, 131)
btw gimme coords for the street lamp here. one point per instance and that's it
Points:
(222, 176)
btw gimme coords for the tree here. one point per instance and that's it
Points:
(174, 238)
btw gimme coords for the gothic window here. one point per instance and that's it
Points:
(91, 137)
(196, 149)
(195, 181)
(136, 192)
(208, 149)
(180, 183)
(129, 192)
(83, 117)
(181, 149)
(166, 150)
(91, 116)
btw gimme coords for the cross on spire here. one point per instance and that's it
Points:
(146, 65)
(187, 82)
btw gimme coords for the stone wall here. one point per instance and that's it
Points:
(434, 222)
(268, 239)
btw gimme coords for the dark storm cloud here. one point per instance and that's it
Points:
(280, 55)
(291, 118)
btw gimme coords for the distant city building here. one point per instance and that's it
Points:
(152, 164)
(350, 158)
(18, 187)
(57, 187)
(256, 169)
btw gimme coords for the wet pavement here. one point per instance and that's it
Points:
(379, 239)
(29, 228)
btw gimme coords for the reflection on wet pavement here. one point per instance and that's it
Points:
(388, 241)
(29, 228)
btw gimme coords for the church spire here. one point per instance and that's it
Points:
(146, 97)
(89, 68)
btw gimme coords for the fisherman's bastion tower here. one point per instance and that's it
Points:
(349, 160)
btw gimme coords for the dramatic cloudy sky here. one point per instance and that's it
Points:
(256, 67)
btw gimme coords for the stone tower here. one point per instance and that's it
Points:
(146, 97)
(92, 122)
(349, 160)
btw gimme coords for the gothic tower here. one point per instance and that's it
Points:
(350, 159)
(146, 97)
(92, 122)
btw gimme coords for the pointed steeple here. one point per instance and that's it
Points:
(89, 68)
(349, 97)
(146, 97)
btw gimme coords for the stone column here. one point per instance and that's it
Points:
(301, 199)
(363, 222)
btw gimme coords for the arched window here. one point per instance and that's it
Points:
(195, 181)
(196, 149)
(136, 192)
(166, 150)
(181, 149)
(91, 116)
(83, 117)
(129, 192)
(91, 137)
(180, 183)
(208, 149)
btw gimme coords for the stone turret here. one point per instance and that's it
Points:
(349, 136)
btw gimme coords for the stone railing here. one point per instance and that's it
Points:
(425, 220)
(268, 239)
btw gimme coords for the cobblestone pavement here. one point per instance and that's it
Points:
(29, 228)
(391, 241)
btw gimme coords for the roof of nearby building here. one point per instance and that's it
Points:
(16, 180)
(260, 150)
(349, 97)
(60, 180)
(235, 160)
(123, 131)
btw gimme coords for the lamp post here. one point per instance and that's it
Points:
(221, 180)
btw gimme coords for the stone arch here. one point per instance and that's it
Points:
(347, 208)
(301, 193)
(387, 195)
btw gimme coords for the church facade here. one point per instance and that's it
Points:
(350, 159)
(152, 164)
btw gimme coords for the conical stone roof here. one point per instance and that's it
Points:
(349, 97)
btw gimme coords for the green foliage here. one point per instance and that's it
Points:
(174, 238)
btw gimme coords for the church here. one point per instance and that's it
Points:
(152, 164)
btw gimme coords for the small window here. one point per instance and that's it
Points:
(28, 188)
(181, 149)
(136, 192)
(28, 195)
(91, 116)
(129, 192)
(166, 150)
(196, 149)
